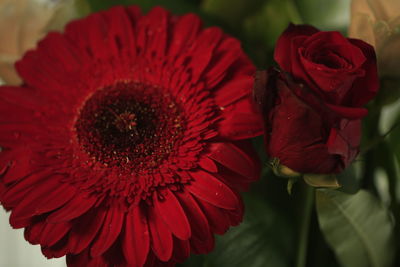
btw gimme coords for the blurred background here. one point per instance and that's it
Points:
(267, 237)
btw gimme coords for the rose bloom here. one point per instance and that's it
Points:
(313, 106)
(125, 145)
(23, 23)
(378, 23)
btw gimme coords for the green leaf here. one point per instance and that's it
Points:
(265, 238)
(357, 227)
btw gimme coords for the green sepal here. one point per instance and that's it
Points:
(282, 170)
(322, 180)
(290, 183)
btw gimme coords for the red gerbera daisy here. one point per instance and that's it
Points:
(124, 146)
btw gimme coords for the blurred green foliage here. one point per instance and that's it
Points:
(270, 21)
(175, 6)
(233, 12)
(389, 91)
(326, 15)
(394, 139)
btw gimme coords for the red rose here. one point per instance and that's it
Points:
(342, 71)
(313, 108)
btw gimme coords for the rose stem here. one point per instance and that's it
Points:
(304, 227)
(370, 132)
(380, 138)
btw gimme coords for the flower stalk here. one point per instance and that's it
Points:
(304, 226)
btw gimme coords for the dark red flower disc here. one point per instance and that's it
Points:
(125, 145)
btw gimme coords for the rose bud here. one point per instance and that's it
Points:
(312, 107)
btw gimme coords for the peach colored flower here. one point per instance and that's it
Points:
(378, 23)
(23, 23)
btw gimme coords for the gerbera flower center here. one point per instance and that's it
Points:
(130, 125)
(125, 122)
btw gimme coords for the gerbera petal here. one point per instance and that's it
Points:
(136, 239)
(172, 213)
(54, 199)
(22, 97)
(61, 55)
(36, 73)
(157, 32)
(233, 158)
(229, 59)
(205, 186)
(32, 233)
(72, 209)
(152, 261)
(206, 245)
(84, 259)
(234, 180)
(2, 190)
(186, 29)
(16, 167)
(81, 235)
(111, 229)
(161, 236)
(181, 250)
(47, 196)
(231, 91)
(134, 13)
(52, 233)
(92, 36)
(241, 126)
(205, 44)
(15, 193)
(208, 164)
(197, 219)
(121, 32)
(57, 250)
(217, 217)
(236, 216)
